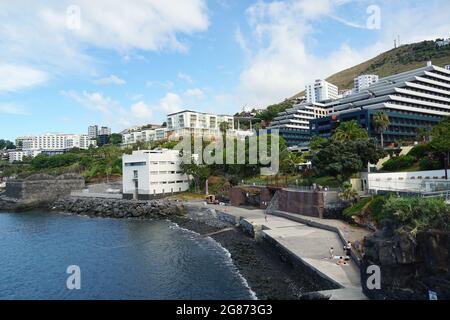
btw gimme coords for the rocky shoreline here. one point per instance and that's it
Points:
(267, 273)
(117, 208)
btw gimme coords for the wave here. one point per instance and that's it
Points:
(229, 260)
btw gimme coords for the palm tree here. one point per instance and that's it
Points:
(381, 123)
(349, 130)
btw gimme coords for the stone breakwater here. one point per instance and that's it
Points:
(118, 208)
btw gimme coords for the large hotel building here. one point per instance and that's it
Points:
(413, 100)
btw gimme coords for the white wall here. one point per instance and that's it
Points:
(418, 181)
(158, 172)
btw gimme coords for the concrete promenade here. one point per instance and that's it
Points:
(309, 244)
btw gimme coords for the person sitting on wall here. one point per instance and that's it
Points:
(348, 250)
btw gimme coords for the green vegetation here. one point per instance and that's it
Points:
(399, 163)
(6, 144)
(94, 163)
(404, 58)
(440, 143)
(418, 213)
(350, 130)
(381, 123)
(342, 159)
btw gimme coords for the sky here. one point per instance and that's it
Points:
(65, 65)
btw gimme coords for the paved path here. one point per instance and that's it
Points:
(308, 243)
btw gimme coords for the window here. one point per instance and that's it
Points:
(135, 164)
(135, 174)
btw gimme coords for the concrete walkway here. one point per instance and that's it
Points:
(310, 244)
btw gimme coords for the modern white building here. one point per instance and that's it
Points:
(413, 100)
(58, 142)
(149, 174)
(104, 131)
(364, 81)
(413, 182)
(93, 131)
(148, 135)
(17, 155)
(187, 122)
(294, 123)
(321, 90)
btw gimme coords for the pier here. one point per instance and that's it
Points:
(307, 242)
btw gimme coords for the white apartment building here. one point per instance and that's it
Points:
(104, 131)
(364, 81)
(321, 90)
(187, 122)
(151, 173)
(18, 155)
(144, 135)
(58, 142)
(93, 131)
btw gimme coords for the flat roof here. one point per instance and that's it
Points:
(183, 111)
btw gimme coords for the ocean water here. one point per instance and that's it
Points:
(118, 259)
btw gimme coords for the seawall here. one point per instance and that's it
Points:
(117, 208)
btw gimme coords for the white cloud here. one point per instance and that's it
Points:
(15, 77)
(117, 115)
(141, 110)
(194, 93)
(171, 102)
(185, 77)
(279, 61)
(38, 33)
(13, 109)
(112, 79)
(165, 84)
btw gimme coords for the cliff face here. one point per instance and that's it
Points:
(410, 266)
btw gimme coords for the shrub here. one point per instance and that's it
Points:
(418, 213)
(419, 151)
(372, 206)
(430, 164)
(399, 163)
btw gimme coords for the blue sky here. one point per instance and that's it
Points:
(67, 64)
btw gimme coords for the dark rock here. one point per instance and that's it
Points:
(410, 266)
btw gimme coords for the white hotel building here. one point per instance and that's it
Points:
(150, 174)
(187, 122)
(364, 81)
(55, 142)
(294, 123)
(144, 135)
(321, 90)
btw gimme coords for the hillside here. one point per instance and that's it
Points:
(404, 58)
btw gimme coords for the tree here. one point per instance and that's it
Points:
(342, 159)
(6, 144)
(381, 123)
(423, 134)
(115, 139)
(199, 172)
(223, 127)
(440, 142)
(349, 130)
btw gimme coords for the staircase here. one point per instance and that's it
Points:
(273, 205)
